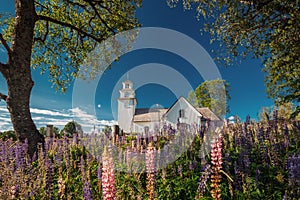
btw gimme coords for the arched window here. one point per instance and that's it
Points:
(181, 113)
(146, 129)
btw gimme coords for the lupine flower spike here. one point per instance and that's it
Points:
(216, 161)
(108, 176)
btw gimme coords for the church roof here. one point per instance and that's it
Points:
(156, 114)
(208, 114)
(127, 81)
(148, 114)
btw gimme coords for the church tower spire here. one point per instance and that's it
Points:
(126, 106)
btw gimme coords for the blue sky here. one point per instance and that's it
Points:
(248, 94)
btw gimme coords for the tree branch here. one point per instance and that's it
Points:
(3, 97)
(92, 4)
(49, 19)
(97, 13)
(3, 41)
(46, 34)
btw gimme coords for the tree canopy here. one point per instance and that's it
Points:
(265, 29)
(210, 94)
(55, 36)
(281, 112)
(66, 31)
(70, 128)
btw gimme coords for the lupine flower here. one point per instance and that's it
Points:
(203, 180)
(99, 176)
(82, 166)
(238, 177)
(87, 192)
(49, 172)
(108, 176)
(150, 168)
(286, 136)
(61, 187)
(216, 161)
(193, 165)
(14, 192)
(293, 166)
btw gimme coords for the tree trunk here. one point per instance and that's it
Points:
(18, 99)
(18, 75)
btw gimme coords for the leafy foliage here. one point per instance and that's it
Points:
(213, 94)
(6, 135)
(266, 29)
(71, 128)
(282, 112)
(66, 31)
(43, 130)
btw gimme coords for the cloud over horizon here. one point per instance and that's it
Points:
(58, 118)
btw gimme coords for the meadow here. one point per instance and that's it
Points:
(247, 160)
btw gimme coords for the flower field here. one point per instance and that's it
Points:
(246, 161)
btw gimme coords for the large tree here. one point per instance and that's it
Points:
(55, 36)
(266, 29)
(213, 94)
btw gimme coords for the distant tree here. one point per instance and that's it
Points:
(7, 135)
(43, 130)
(56, 37)
(106, 129)
(70, 128)
(265, 29)
(213, 94)
(284, 111)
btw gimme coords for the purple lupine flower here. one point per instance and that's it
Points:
(17, 160)
(293, 166)
(87, 191)
(75, 139)
(49, 172)
(99, 172)
(275, 115)
(206, 171)
(286, 136)
(48, 143)
(4, 152)
(82, 166)
(59, 155)
(150, 169)
(193, 165)
(257, 175)
(247, 120)
(238, 177)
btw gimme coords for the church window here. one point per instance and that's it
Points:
(126, 94)
(127, 85)
(181, 113)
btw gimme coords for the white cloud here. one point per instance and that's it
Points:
(48, 112)
(42, 117)
(5, 119)
(3, 109)
(231, 118)
(88, 121)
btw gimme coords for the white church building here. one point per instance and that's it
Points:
(133, 119)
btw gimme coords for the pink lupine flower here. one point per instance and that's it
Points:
(108, 176)
(150, 168)
(216, 161)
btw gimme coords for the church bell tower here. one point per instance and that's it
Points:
(126, 106)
